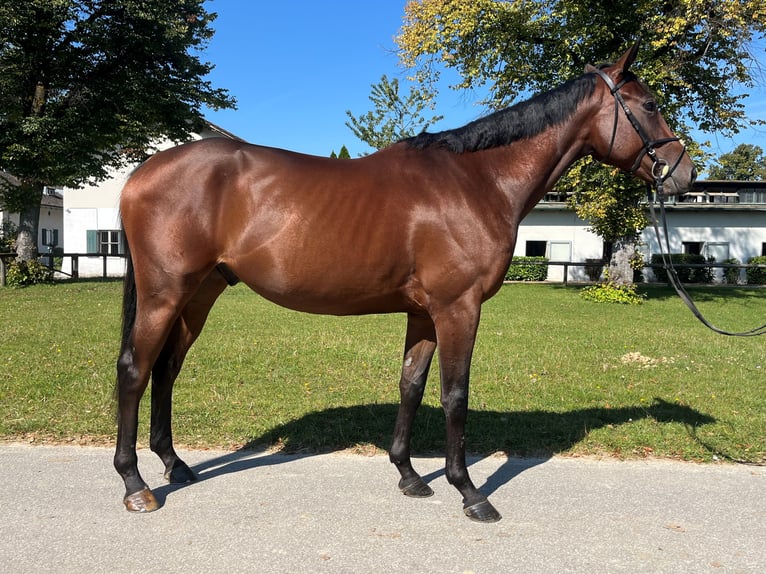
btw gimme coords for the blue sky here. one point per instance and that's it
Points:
(296, 66)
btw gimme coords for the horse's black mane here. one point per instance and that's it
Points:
(520, 121)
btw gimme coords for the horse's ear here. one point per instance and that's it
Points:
(627, 59)
(590, 68)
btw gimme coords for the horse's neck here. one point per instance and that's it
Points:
(530, 168)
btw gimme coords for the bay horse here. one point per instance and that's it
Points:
(425, 227)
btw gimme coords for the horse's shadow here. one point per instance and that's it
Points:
(534, 435)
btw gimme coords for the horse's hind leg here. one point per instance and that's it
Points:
(166, 368)
(152, 325)
(418, 352)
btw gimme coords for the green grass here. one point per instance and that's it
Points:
(552, 373)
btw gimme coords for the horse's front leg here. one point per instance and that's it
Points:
(418, 352)
(456, 333)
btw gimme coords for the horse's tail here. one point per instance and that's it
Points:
(128, 313)
(128, 299)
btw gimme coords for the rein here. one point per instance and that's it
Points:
(661, 171)
(667, 264)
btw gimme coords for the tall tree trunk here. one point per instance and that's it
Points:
(29, 223)
(620, 270)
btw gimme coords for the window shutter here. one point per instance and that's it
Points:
(122, 249)
(92, 240)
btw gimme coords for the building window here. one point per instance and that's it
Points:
(719, 251)
(50, 237)
(752, 196)
(536, 248)
(692, 247)
(105, 241)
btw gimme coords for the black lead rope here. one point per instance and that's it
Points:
(667, 264)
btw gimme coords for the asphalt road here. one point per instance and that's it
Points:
(61, 511)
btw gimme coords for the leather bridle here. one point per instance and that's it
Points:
(661, 171)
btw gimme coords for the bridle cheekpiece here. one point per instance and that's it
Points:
(661, 170)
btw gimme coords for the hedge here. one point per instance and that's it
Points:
(685, 274)
(756, 276)
(527, 272)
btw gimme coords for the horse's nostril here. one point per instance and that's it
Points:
(694, 174)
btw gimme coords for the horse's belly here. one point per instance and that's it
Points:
(326, 287)
(337, 306)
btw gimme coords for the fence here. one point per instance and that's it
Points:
(591, 263)
(47, 259)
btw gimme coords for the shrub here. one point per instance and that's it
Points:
(23, 273)
(637, 263)
(756, 276)
(7, 237)
(519, 271)
(611, 293)
(731, 274)
(685, 274)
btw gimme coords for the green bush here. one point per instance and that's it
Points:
(731, 274)
(23, 273)
(756, 276)
(685, 274)
(7, 237)
(611, 293)
(527, 272)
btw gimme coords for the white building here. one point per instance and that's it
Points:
(720, 219)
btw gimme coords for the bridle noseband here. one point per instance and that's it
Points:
(661, 170)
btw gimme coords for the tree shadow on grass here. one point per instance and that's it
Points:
(535, 435)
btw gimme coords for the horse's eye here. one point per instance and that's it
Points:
(650, 106)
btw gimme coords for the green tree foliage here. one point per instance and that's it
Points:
(694, 54)
(392, 118)
(343, 154)
(88, 85)
(745, 162)
(694, 51)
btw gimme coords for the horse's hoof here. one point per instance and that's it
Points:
(482, 512)
(141, 501)
(415, 487)
(180, 473)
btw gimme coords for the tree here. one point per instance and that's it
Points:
(694, 54)
(745, 162)
(393, 118)
(609, 200)
(343, 154)
(88, 85)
